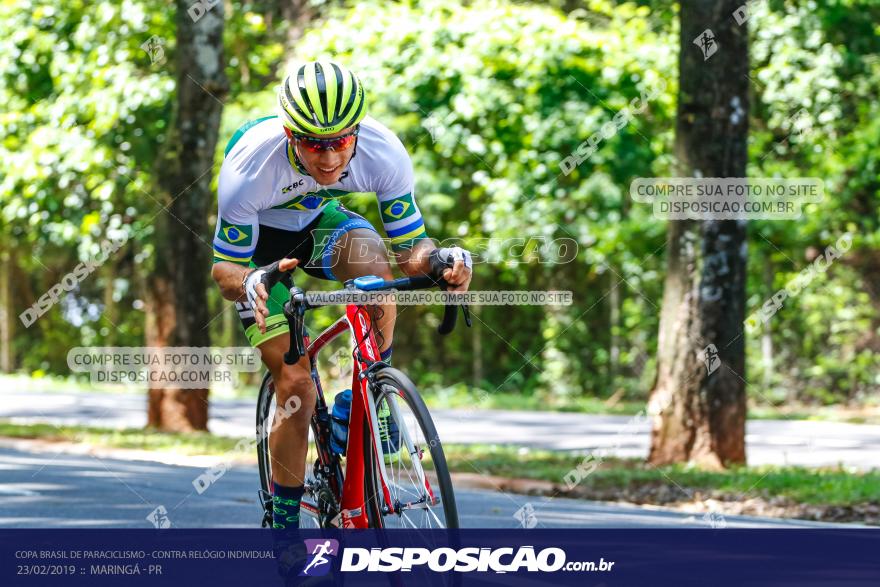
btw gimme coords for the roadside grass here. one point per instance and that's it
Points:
(826, 486)
(196, 443)
(43, 383)
(467, 398)
(460, 398)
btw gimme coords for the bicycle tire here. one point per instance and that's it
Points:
(264, 406)
(408, 392)
(371, 504)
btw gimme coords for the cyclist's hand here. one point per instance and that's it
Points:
(459, 277)
(287, 264)
(259, 282)
(454, 264)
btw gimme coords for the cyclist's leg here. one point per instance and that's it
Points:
(295, 395)
(361, 252)
(294, 389)
(347, 246)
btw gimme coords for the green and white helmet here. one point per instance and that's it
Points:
(322, 98)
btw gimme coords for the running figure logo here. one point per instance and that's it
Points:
(706, 42)
(319, 551)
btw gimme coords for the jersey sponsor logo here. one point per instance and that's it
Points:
(292, 186)
(235, 234)
(398, 208)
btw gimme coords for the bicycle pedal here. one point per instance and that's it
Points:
(266, 502)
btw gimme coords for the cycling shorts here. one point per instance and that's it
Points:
(313, 246)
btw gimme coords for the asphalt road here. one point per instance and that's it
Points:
(777, 442)
(48, 488)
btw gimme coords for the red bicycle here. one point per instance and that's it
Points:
(386, 480)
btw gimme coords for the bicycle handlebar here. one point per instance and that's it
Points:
(450, 314)
(295, 311)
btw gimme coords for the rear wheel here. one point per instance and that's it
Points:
(419, 487)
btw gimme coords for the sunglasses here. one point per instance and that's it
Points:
(316, 145)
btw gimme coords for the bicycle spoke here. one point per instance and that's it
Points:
(406, 518)
(431, 512)
(406, 479)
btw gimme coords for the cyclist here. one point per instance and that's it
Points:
(280, 190)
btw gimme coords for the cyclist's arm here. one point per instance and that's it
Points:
(235, 240)
(417, 261)
(234, 245)
(404, 225)
(237, 231)
(414, 261)
(400, 214)
(230, 279)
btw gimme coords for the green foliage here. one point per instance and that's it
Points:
(815, 114)
(87, 112)
(489, 97)
(88, 89)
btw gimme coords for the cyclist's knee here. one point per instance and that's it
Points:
(362, 253)
(381, 269)
(295, 393)
(378, 267)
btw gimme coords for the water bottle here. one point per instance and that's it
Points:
(339, 416)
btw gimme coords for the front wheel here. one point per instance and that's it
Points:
(404, 450)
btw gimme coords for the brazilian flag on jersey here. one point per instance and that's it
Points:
(403, 221)
(234, 242)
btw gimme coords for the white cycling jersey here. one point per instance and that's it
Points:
(260, 184)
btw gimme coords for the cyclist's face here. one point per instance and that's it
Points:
(326, 166)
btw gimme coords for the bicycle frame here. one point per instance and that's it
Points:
(358, 323)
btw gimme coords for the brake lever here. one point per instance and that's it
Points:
(296, 324)
(300, 337)
(464, 307)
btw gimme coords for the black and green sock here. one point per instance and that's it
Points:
(285, 506)
(386, 355)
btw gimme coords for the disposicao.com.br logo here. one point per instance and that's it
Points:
(498, 560)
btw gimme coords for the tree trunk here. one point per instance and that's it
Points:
(6, 321)
(767, 334)
(178, 287)
(111, 312)
(867, 263)
(297, 14)
(699, 403)
(614, 328)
